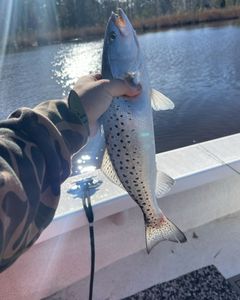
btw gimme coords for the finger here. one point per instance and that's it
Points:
(118, 87)
(88, 78)
(98, 76)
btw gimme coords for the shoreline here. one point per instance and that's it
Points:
(85, 34)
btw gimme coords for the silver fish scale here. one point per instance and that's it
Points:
(128, 156)
(128, 128)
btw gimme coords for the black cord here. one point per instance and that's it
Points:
(90, 216)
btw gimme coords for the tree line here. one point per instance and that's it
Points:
(22, 18)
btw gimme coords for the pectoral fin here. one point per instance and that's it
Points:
(160, 101)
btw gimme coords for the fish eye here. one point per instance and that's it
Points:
(112, 36)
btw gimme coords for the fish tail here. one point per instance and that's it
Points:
(162, 229)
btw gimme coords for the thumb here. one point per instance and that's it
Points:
(118, 87)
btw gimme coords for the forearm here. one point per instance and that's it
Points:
(36, 146)
(73, 128)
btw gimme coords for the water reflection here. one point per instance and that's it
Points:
(198, 68)
(71, 62)
(89, 158)
(75, 60)
(83, 165)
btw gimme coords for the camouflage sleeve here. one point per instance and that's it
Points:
(36, 146)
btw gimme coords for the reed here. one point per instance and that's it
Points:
(32, 39)
(187, 18)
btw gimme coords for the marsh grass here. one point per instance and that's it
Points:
(33, 39)
(188, 18)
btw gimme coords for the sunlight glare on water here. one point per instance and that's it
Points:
(76, 60)
(71, 62)
(85, 164)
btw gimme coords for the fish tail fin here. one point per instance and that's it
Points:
(162, 230)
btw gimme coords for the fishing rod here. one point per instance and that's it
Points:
(85, 187)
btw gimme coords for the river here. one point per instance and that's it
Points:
(197, 67)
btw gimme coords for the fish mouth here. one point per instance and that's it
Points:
(119, 19)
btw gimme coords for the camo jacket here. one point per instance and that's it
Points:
(36, 146)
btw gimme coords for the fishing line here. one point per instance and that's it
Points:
(214, 156)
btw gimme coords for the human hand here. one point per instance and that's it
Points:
(96, 95)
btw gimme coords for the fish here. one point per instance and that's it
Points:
(129, 159)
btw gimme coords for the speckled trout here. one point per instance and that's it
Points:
(129, 159)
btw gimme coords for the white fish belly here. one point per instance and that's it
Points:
(130, 143)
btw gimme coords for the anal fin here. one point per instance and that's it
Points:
(164, 184)
(108, 170)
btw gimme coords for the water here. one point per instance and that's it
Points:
(198, 68)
